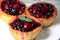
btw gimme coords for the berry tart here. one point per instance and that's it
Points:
(43, 11)
(25, 28)
(9, 9)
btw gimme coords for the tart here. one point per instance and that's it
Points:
(43, 11)
(23, 29)
(9, 9)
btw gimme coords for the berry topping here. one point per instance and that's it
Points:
(6, 6)
(41, 10)
(34, 9)
(14, 1)
(13, 7)
(38, 15)
(24, 26)
(44, 9)
(27, 25)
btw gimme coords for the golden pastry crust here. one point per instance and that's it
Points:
(18, 35)
(27, 35)
(44, 21)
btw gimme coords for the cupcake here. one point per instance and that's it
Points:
(25, 29)
(9, 9)
(43, 11)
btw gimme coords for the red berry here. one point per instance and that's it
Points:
(14, 0)
(6, 6)
(16, 6)
(21, 11)
(38, 15)
(34, 9)
(44, 9)
(27, 25)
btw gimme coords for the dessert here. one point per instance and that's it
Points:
(43, 11)
(9, 9)
(26, 22)
(25, 29)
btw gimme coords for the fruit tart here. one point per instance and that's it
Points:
(25, 28)
(9, 9)
(43, 11)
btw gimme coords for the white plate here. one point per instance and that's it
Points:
(51, 33)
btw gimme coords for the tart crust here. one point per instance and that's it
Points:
(27, 35)
(45, 21)
(7, 17)
(18, 35)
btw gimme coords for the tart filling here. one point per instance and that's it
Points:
(12, 7)
(24, 25)
(41, 10)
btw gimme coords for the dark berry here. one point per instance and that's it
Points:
(39, 10)
(22, 6)
(30, 9)
(14, 11)
(51, 10)
(39, 6)
(49, 13)
(45, 15)
(33, 10)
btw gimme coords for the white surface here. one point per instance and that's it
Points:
(52, 33)
(4, 31)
